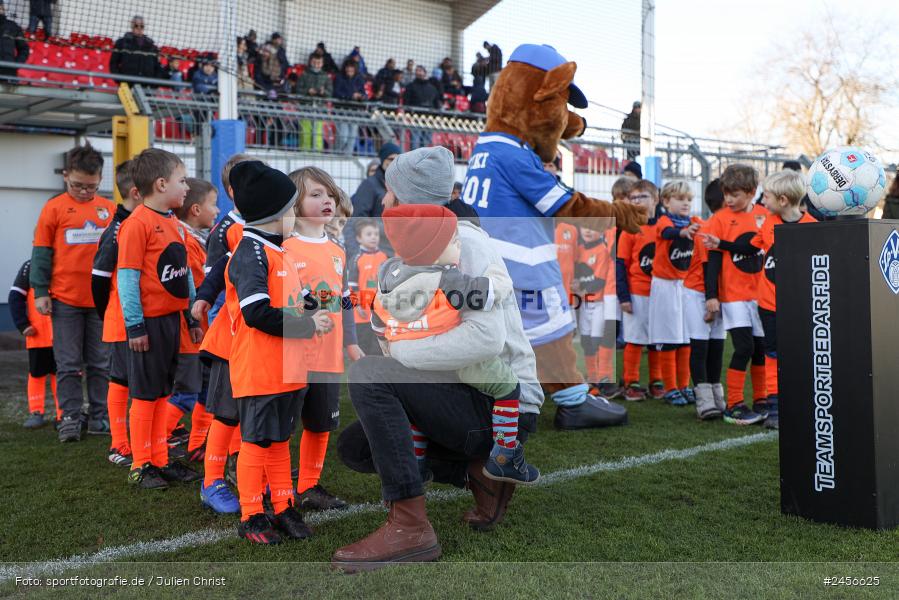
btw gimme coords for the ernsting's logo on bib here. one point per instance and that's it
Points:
(647, 254)
(889, 261)
(172, 269)
(748, 263)
(680, 253)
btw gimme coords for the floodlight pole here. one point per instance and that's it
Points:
(647, 111)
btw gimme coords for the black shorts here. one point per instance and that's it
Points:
(189, 375)
(151, 374)
(41, 362)
(321, 408)
(219, 399)
(118, 363)
(769, 324)
(270, 418)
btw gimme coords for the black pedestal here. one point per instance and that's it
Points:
(838, 350)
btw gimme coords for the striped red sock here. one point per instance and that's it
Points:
(419, 442)
(505, 422)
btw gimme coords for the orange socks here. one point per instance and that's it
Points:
(173, 414)
(277, 471)
(37, 392)
(668, 358)
(160, 446)
(200, 420)
(605, 364)
(759, 381)
(771, 375)
(217, 451)
(631, 371)
(591, 362)
(683, 367)
(117, 405)
(250, 472)
(735, 381)
(141, 431)
(655, 366)
(313, 447)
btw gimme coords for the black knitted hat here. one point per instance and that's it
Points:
(261, 194)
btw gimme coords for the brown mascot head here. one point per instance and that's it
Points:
(530, 99)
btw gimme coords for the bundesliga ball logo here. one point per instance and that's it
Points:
(846, 181)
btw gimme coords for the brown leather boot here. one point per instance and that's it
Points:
(491, 499)
(407, 536)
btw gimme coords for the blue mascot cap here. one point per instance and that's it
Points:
(546, 58)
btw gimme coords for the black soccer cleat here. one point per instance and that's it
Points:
(318, 498)
(147, 477)
(258, 530)
(176, 471)
(179, 436)
(290, 523)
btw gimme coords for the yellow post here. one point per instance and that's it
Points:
(130, 134)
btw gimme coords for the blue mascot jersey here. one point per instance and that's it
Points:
(515, 199)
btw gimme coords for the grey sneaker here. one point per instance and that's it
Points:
(98, 427)
(718, 393)
(69, 429)
(34, 421)
(705, 402)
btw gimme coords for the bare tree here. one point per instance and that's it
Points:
(827, 85)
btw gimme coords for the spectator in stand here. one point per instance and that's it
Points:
(457, 191)
(422, 93)
(314, 82)
(175, 73)
(328, 64)
(480, 71)
(385, 74)
(372, 168)
(41, 11)
(206, 79)
(440, 69)
(270, 71)
(350, 86)
(630, 131)
(356, 55)
(494, 62)
(368, 201)
(409, 72)
(135, 54)
(252, 46)
(451, 81)
(13, 47)
(244, 81)
(391, 90)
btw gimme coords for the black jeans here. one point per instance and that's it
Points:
(456, 418)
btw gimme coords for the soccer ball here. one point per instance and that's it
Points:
(846, 181)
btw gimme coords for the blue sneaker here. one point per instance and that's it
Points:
(219, 498)
(687, 393)
(742, 415)
(772, 420)
(675, 398)
(760, 407)
(508, 464)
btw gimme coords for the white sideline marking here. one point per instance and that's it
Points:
(211, 536)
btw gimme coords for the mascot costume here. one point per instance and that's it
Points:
(518, 201)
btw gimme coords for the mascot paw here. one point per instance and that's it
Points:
(629, 217)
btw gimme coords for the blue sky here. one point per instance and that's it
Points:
(708, 52)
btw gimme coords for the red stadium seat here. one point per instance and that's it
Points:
(462, 103)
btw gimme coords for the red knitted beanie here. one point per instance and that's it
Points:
(419, 233)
